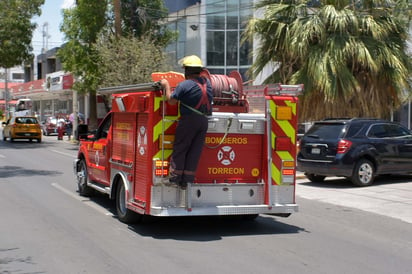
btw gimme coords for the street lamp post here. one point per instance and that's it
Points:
(6, 94)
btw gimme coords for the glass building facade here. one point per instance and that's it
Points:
(213, 30)
(225, 24)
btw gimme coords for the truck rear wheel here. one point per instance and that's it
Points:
(82, 187)
(124, 214)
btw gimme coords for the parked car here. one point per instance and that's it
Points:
(51, 124)
(358, 149)
(23, 127)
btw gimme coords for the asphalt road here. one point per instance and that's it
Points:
(45, 227)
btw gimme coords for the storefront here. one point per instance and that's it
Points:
(50, 97)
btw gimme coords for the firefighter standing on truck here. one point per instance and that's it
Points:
(195, 96)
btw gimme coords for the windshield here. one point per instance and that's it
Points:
(325, 131)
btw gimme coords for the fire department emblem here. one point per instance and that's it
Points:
(226, 155)
(142, 140)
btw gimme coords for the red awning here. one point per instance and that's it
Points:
(12, 102)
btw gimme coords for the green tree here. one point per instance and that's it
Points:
(143, 18)
(350, 55)
(129, 60)
(16, 30)
(82, 26)
(136, 50)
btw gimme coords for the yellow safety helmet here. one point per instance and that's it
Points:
(191, 61)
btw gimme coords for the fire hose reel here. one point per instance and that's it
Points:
(227, 90)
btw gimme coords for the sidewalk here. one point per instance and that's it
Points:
(389, 196)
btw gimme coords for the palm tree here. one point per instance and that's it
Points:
(350, 55)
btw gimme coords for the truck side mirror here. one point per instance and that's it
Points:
(82, 132)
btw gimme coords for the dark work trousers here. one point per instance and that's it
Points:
(188, 144)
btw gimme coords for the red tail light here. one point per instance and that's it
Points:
(161, 168)
(343, 146)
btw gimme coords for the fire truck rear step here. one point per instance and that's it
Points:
(204, 199)
(277, 210)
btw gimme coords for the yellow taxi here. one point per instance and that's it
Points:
(23, 127)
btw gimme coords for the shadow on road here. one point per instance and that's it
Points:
(16, 171)
(212, 228)
(202, 228)
(343, 183)
(22, 144)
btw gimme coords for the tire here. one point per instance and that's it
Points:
(124, 214)
(363, 173)
(38, 140)
(4, 138)
(315, 178)
(82, 178)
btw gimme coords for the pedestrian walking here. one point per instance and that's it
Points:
(69, 128)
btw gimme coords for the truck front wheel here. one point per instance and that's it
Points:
(82, 187)
(124, 214)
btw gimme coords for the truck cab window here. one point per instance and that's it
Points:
(103, 130)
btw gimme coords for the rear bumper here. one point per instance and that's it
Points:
(325, 168)
(221, 199)
(225, 210)
(26, 135)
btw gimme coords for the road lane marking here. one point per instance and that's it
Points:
(84, 200)
(63, 153)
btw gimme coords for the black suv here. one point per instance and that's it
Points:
(358, 149)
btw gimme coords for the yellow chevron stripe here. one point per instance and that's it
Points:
(166, 154)
(288, 129)
(157, 102)
(272, 107)
(276, 173)
(285, 125)
(293, 105)
(157, 129)
(285, 155)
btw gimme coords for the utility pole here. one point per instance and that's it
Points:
(6, 94)
(45, 33)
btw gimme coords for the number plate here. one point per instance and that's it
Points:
(315, 150)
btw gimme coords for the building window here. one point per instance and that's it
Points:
(215, 48)
(225, 23)
(177, 50)
(17, 76)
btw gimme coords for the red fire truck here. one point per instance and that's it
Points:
(247, 165)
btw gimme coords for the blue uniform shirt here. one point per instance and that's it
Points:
(190, 94)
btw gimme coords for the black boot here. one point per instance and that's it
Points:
(175, 178)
